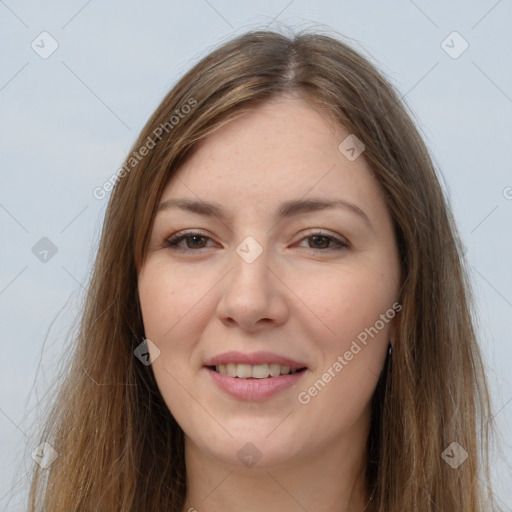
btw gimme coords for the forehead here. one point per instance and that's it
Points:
(282, 149)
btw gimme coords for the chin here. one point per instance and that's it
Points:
(250, 448)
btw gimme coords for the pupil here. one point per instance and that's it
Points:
(195, 238)
(316, 238)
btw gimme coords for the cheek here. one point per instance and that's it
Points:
(176, 310)
(167, 305)
(168, 299)
(348, 301)
(172, 311)
(352, 339)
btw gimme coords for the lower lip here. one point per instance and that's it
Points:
(254, 389)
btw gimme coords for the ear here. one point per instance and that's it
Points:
(393, 329)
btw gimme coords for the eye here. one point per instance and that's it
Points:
(321, 242)
(193, 240)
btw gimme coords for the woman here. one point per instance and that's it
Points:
(278, 316)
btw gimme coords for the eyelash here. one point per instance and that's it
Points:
(172, 242)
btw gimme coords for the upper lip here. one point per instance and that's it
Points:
(254, 358)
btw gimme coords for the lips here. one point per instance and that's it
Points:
(255, 380)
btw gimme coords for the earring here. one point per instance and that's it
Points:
(390, 349)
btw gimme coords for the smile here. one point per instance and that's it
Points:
(253, 376)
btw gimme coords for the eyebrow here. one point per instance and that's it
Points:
(286, 209)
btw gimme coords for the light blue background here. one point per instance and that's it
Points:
(69, 120)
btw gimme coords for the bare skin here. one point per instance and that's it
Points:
(307, 296)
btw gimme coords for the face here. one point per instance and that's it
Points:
(250, 276)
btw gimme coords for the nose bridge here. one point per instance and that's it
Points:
(250, 261)
(250, 250)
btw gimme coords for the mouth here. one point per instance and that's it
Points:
(255, 376)
(257, 371)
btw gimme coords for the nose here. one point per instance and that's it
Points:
(253, 296)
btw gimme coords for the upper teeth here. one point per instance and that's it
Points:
(257, 371)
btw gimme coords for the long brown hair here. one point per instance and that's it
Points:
(119, 447)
